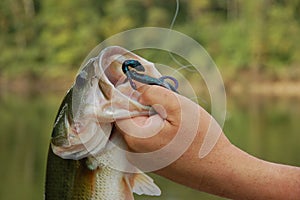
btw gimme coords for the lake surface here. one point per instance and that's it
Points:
(265, 127)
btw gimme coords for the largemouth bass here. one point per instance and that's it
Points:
(87, 155)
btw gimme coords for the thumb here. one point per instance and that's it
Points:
(165, 102)
(166, 105)
(141, 126)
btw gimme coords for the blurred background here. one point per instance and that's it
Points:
(255, 45)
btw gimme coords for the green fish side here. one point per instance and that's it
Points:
(73, 180)
(68, 179)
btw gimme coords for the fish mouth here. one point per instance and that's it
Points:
(112, 60)
(100, 96)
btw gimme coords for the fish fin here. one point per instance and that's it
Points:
(142, 184)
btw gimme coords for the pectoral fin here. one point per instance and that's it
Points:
(142, 184)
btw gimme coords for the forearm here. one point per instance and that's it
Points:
(228, 171)
(242, 176)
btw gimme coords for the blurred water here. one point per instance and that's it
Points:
(267, 128)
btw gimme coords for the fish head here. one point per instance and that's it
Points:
(76, 131)
(99, 96)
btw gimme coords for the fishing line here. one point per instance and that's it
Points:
(186, 67)
(189, 68)
(175, 15)
(171, 28)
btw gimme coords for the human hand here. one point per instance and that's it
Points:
(178, 130)
(169, 141)
(176, 115)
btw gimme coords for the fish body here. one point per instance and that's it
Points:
(78, 179)
(87, 155)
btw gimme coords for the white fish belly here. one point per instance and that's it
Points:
(111, 185)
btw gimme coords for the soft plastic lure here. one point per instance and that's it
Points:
(143, 78)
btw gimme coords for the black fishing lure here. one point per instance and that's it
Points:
(143, 78)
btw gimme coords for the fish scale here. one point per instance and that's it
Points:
(77, 181)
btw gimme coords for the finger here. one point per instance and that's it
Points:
(165, 102)
(141, 127)
(142, 139)
(151, 95)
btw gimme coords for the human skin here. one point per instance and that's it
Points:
(226, 171)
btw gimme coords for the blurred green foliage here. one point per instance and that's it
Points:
(253, 35)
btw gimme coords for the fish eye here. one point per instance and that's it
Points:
(81, 79)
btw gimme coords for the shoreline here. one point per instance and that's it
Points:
(59, 85)
(267, 88)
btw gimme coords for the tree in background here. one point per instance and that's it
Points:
(259, 36)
